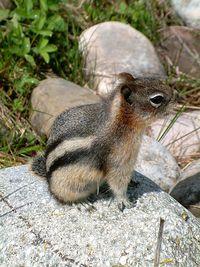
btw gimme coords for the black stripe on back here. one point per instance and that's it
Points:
(67, 136)
(53, 145)
(95, 156)
(67, 159)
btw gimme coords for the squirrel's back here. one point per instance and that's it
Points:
(76, 123)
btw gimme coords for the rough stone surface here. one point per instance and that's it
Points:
(113, 47)
(155, 162)
(182, 140)
(181, 48)
(46, 233)
(189, 11)
(51, 97)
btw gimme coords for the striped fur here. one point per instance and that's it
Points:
(94, 143)
(69, 145)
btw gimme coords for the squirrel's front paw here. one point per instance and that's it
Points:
(123, 203)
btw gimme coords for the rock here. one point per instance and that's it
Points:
(51, 97)
(191, 169)
(6, 4)
(189, 11)
(156, 163)
(187, 192)
(36, 230)
(113, 47)
(182, 140)
(180, 46)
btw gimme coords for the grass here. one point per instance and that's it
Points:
(50, 45)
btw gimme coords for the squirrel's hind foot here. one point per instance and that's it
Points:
(123, 203)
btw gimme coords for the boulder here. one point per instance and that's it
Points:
(180, 46)
(51, 97)
(36, 230)
(155, 162)
(187, 190)
(112, 47)
(182, 140)
(189, 11)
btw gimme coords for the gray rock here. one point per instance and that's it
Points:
(51, 97)
(187, 192)
(6, 4)
(182, 140)
(189, 11)
(113, 47)
(156, 163)
(180, 46)
(36, 230)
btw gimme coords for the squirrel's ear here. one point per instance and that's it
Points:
(127, 94)
(126, 77)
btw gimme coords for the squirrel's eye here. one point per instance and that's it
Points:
(156, 100)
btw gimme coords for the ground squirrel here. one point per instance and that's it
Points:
(94, 143)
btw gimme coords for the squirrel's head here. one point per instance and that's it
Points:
(146, 98)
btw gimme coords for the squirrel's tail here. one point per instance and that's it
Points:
(38, 165)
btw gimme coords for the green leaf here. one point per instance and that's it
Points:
(45, 33)
(40, 21)
(50, 48)
(43, 5)
(15, 50)
(122, 8)
(54, 4)
(42, 43)
(30, 59)
(56, 22)
(28, 5)
(23, 82)
(26, 46)
(35, 14)
(4, 13)
(45, 55)
(17, 105)
(26, 150)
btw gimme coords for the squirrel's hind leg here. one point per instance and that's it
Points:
(74, 183)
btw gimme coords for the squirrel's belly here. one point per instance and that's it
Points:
(75, 182)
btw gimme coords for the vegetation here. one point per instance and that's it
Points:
(39, 38)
